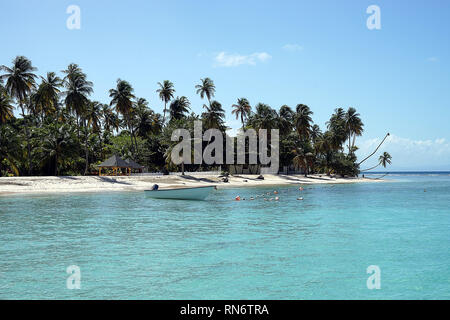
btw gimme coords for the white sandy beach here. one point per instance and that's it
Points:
(18, 185)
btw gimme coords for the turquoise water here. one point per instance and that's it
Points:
(131, 247)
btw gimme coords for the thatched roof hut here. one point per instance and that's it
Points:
(115, 162)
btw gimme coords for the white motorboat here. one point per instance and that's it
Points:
(193, 193)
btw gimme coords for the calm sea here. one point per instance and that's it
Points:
(128, 246)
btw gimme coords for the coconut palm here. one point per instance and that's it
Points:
(166, 93)
(9, 149)
(110, 120)
(47, 94)
(214, 116)
(179, 107)
(286, 120)
(6, 107)
(20, 81)
(57, 138)
(206, 89)
(122, 97)
(302, 159)
(143, 118)
(354, 126)
(78, 89)
(242, 110)
(264, 118)
(315, 133)
(376, 149)
(383, 160)
(303, 121)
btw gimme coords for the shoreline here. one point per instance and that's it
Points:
(93, 184)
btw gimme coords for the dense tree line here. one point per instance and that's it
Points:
(62, 131)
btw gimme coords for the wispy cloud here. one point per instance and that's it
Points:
(292, 47)
(223, 59)
(408, 153)
(433, 59)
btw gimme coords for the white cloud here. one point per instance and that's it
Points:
(292, 47)
(224, 59)
(433, 59)
(408, 153)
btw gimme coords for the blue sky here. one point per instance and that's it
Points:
(318, 53)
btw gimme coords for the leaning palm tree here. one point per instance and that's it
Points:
(354, 126)
(20, 81)
(242, 109)
(383, 160)
(376, 149)
(303, 121)
(6, 108)
(206, 89)
(166, 93)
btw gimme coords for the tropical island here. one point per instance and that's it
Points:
(60, 131)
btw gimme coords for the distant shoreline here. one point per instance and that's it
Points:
(80, 184)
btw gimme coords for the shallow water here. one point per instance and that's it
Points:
(129, 246)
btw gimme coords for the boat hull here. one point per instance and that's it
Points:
(197, 193)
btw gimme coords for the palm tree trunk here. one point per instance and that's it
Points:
(371, 168)
(387, 135)
(27, 134)
(164, 112)
(56, 164)
(349, 142)
(86, 149)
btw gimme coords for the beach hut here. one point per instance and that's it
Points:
(115, 163)
(135, 165)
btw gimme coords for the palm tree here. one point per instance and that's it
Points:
(376, 149)
(47, 94)
(302, 159)
(315, 133)
(166, 93)
(286, 120)
(179, 107)
(383, 160)
(6, 107)
(354, 126)
(20, 81)
(58, 137)
(242, 109)
(338, 128)
(122, 97)
(264, 118)
(214, 116)
(144, 117)
(9, 149)
(303, 121)
(77, 91)
(206, 88)
(110, 120)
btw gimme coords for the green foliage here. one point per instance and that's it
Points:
(62, 132)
